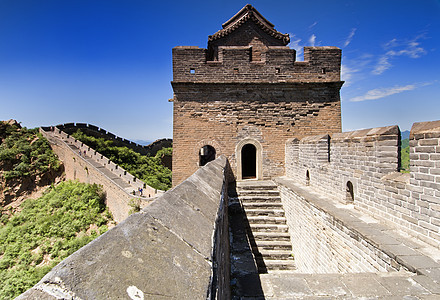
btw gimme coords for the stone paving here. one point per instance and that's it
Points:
(419, 277)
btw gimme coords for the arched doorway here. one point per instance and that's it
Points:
(249, 161)
(206, 154)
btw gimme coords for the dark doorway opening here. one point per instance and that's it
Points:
(349, 192)
(249, 161)
(206, 154)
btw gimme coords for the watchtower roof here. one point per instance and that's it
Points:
(249, 13)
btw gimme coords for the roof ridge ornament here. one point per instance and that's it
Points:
(248, 12)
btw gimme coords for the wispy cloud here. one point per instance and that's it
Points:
(313, 25)
(350, 37)
(395, 48)
(312, 40)
(384, 92)
(353, 69)
(347, 74)
(295, 43)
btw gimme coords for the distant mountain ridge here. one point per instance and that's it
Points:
(404, 134)
(143, 142)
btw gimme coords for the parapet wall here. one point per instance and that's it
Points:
(234, 64)
(177, 247)
(87, 165)
(361, 167)
(97, 132)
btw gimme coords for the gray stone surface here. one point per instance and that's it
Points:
(325, 285)
(415, 262)
(365, 285)
(161, 252)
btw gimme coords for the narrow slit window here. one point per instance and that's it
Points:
(349, 196)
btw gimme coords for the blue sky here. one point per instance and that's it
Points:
(108, 62)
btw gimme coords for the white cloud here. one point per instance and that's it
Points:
(312, 40)
(353, 69)
(395, 47)
(347, 74)
(350, 37)
(382, 65)
(313, 25)
(384, 92)
(295, 43)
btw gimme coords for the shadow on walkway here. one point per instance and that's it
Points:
(245, 280)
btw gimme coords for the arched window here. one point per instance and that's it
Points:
(307, 177)
(349, 192)
(206, 154)
(249, 161)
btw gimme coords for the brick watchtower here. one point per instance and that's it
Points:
(245, 95)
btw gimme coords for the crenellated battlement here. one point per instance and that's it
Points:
(362, 168)
(236, 64)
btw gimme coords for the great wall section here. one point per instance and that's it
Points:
(375, 237)
(87, 165)
(314, 214)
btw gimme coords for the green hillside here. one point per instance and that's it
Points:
(24, 152)
(35, 235)
(47, 230)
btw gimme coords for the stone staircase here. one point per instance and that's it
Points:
(266, 225)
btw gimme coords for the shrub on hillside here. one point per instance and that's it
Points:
(47, 230)
(147, 168)
(25, 152)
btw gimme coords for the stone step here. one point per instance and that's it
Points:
(262, 205)
(278, 265)
(260, 199)
(276, 254)
(271, 236)
(264, 212)
(258, 193)
(266, 220)
(256, 185)
(269, 227)
(273, 245)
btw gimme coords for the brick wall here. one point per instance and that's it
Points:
(223, 116)
(323, 244)
(277, 64)
(247, 86)
(369, 160)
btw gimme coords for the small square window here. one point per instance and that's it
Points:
(277, 70)
(192, 71)
(235, 70)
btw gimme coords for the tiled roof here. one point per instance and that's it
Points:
(249, 13)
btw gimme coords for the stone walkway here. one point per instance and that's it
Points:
(420, 280)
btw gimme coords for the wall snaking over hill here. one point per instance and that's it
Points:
(177, 247)
(97, 132)
(91, 167)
